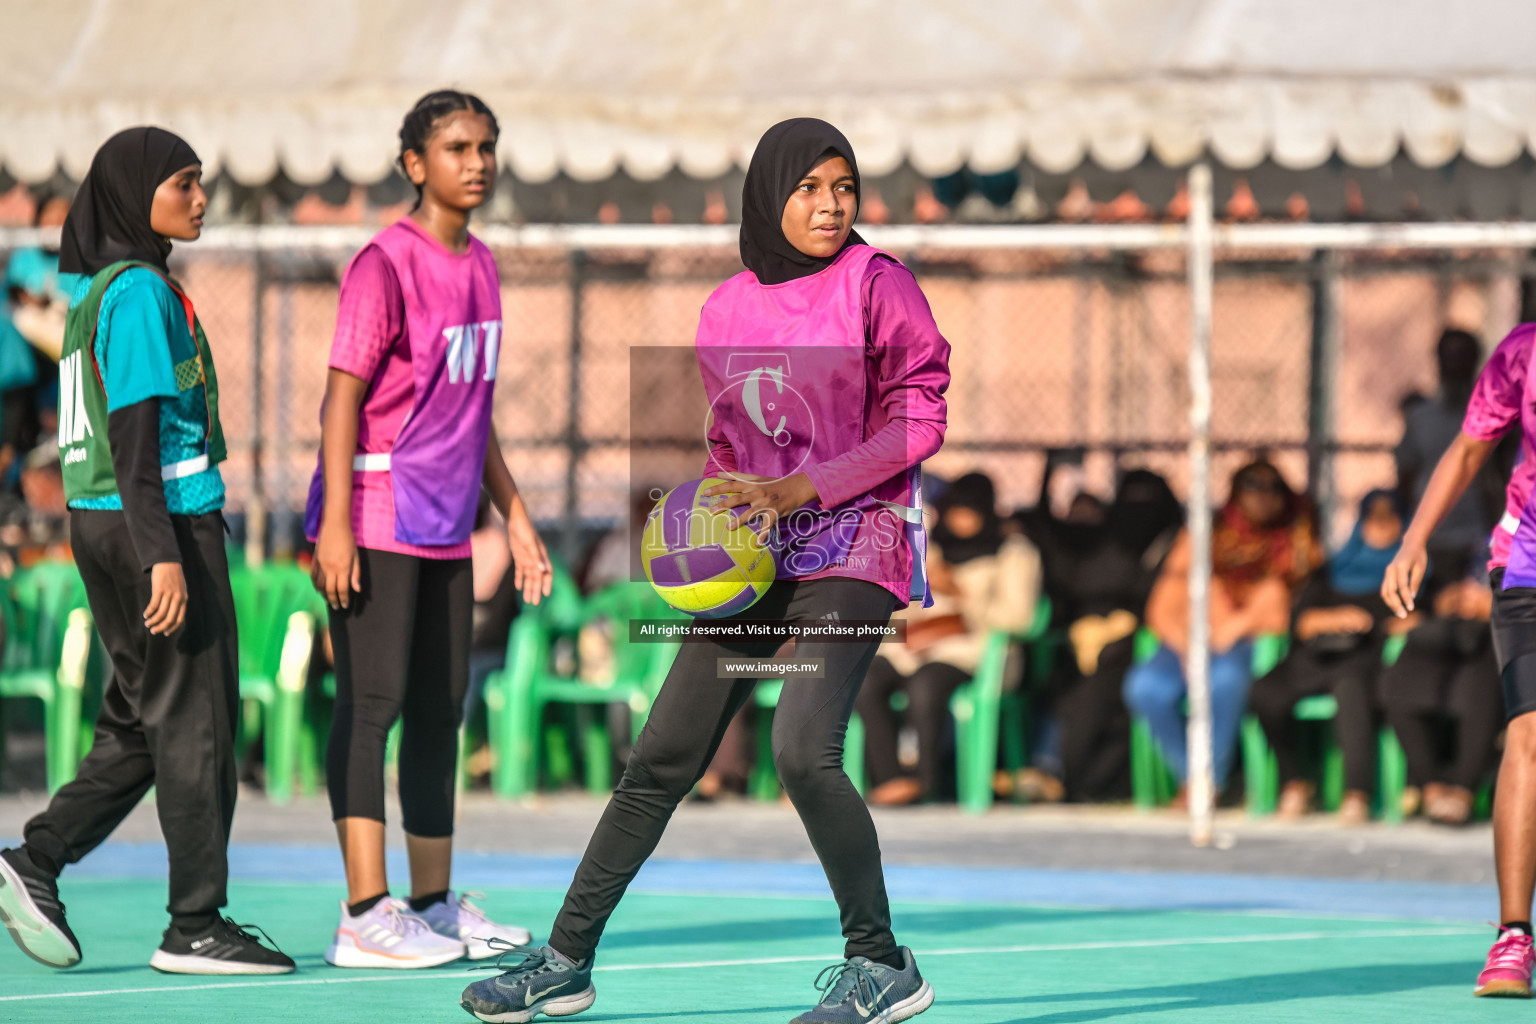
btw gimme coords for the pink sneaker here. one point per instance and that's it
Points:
(1508, 971)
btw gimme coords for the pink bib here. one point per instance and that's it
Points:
(785, 371)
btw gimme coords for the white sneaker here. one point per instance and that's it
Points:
(389, 935)
(458, 918)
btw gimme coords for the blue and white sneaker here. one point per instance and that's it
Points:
(859, 990)
(542, 982)
(459, 918)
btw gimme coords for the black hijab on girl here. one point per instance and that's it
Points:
(109, 219)
(784, 155)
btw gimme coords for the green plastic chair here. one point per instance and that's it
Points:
(276, 608)
(48, 652)
(983, 707)
(983, 712)
(1152, 781)
(533, 679)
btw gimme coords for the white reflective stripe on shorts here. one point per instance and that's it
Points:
(1509, 524)
(186, 467)
(375, 462)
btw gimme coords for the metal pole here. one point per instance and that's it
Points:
(1324, 371)
(256, 509)
(1202, 782)
(280, 514)
(570, 533)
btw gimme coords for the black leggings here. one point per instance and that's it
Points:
(680, 737)
(402, 651)
(928, 691)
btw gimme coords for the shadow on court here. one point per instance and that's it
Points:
(1254, 990)
(948, 921)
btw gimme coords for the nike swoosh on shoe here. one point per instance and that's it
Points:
(531, 997)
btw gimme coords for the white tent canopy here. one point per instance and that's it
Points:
(591, 86)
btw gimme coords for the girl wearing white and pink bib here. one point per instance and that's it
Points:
(407, 447)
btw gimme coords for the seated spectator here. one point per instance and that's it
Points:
(981, 580)
(1099, 593)
(1447, 671)
(1339, 626)
(34, 526)
(1263, 544)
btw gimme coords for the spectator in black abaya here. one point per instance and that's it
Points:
(1099, 585)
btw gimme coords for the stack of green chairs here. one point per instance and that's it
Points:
(47, 657)
(1152, 782)
(276, 609)
(533, 678)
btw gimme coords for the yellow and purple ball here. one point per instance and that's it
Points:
(696, 562)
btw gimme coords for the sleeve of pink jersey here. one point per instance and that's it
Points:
(370, 315)
(911, 375)
(1496, 399)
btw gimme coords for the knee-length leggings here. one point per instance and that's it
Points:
(679, 739)
(402, 651)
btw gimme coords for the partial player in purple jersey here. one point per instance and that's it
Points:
(407, 446)
(1505, 395)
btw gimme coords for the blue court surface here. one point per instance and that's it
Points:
(741, 941)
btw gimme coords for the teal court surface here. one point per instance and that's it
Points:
(741, 942)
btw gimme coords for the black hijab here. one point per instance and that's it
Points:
(973, 491)
(109, 219)
(784, 155)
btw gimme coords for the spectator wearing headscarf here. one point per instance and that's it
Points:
(1263, 545)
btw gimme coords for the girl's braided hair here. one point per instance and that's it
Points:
(421, 122)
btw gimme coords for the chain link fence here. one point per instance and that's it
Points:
(1312, 355)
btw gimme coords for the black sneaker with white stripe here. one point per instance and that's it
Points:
(221, 948)
(32, 913)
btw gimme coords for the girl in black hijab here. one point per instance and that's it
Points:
(847, 335)
(109, 220)
(140, 444)
(783, 156)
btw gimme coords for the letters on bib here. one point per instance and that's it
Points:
(74, 423)
(464, 345)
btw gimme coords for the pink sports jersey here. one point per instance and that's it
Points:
(422, 325)
(840, 375)
(1506, 394)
